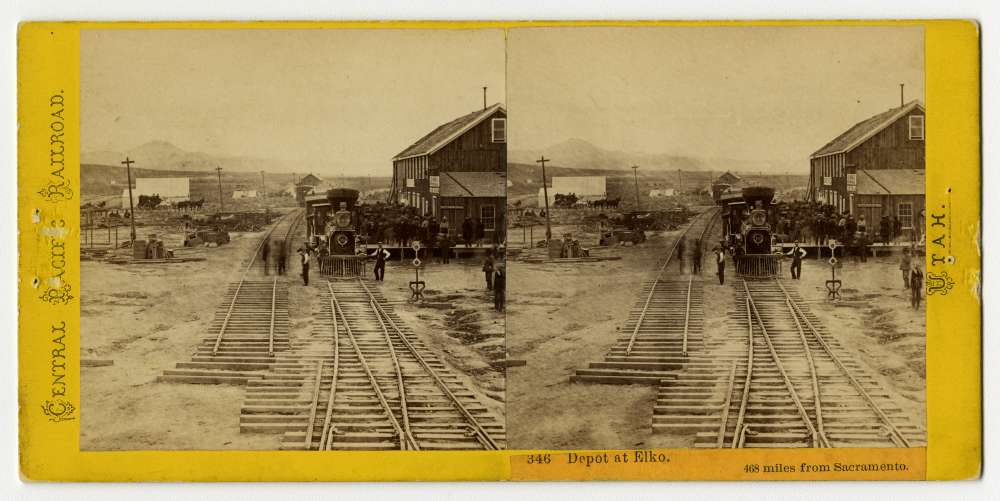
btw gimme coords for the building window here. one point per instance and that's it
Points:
(917, 127)
(499, 128)
(487, 214)
(906, 215)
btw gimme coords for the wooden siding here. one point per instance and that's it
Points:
(891, 148)
(875, 206)
(457, 208)
(473, 151)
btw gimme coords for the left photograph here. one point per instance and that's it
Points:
(293, 239)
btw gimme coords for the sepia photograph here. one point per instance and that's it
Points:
(293, 239)
(716, 237)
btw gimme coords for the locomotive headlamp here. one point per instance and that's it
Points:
(758, 218)
(342, 219)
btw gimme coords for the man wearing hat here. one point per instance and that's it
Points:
(380, 256)
(304, 259)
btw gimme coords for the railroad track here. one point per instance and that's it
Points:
(663, 328)
(779, 380)
(362, 381)
(250, 324)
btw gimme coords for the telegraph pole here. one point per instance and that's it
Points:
(263, 188)
(221, 206)
(635, 174)
(545, 192)
(131, 207)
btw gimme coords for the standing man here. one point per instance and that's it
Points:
(380, 256)
(916, 284)
(304, 260)
(680, 255)
(720, 261)
(904, 266)
(499, 285)
(696, 257)
(467, 231)
(797, 254)
(444, 246)
(488, 269)
(265, 252)
(282, 257)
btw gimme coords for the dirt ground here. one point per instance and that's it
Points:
(562, 317)
(456, 321)
(146, 318)
(874, 320)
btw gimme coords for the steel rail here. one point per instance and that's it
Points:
(642, 316)
(315, 403)
(725, 408)
(817, 396)
(232, 304)
(687, 318)
(744, 401)
(274, 309)
(403, 408)
(225, 322)
(477, 427)
(896, 434)
(326, 437)
(656, 281)
(371, 377)
(781, 368)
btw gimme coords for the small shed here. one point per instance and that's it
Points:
(895, 193)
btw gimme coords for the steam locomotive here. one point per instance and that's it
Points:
(331, 225)
(747, 231)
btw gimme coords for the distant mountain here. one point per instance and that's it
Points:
(162, 155)
(580, 154)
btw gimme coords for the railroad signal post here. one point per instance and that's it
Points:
(833, 285)
(545, 193)
(131, 206)
(417, 286)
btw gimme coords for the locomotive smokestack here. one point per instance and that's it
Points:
(484, 98)
(901, 101)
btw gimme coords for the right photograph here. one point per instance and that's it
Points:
(715, 237)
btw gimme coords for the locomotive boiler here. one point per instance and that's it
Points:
(747, 230)
(332, 225)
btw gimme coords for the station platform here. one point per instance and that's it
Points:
(457, 252)
(874, 249)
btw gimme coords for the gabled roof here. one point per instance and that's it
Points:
(473, 184)
(890, 182)
(447, 133)
(309, 180)
(865, 129)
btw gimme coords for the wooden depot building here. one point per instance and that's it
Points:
(457, 170)
(875, 168)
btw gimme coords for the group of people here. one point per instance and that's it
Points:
(277, 249)
(401, 224)
(696, 255)
(802, 221)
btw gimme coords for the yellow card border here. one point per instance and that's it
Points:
(49, 278)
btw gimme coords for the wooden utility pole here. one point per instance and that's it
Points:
(131, 206)
(635, 174)
(484, 97)
(263, 187)
(545, 193)
(221, 204)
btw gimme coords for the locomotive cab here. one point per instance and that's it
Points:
(748, 233)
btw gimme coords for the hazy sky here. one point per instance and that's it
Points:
(764, 94)
(330, 100)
